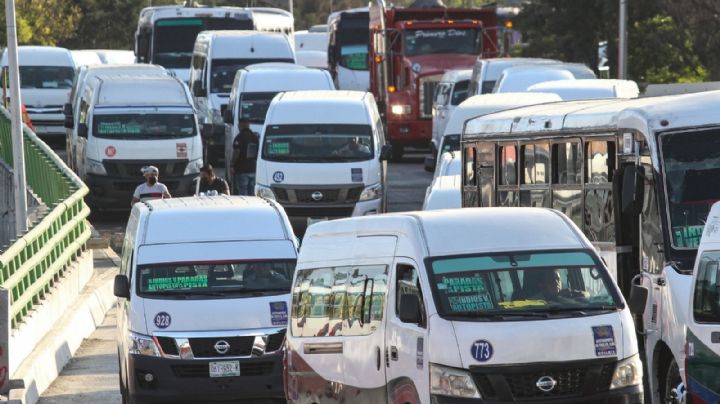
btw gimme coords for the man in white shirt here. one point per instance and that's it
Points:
(151, 188)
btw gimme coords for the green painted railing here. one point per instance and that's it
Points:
(37, 260)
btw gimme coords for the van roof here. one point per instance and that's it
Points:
(231, 44)
(41, 56)
(452, 232)
(142, 90)
(644, 114)
(266, 80)
(570, 90)
(308, 107)
(488, 103)
(215, 218)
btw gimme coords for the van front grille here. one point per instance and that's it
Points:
(133, 168)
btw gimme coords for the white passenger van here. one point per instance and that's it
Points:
(449, 93)
(323, 156)
(126, 123)
(85, 57)
(477, 105)
(703, 327)
(472, 306)
(255, 87)
(520, 78)
(487, 71)
(217, 56)
(571, 90)
(204, 289)
(71, 109)
(46, 75)
(444, 192)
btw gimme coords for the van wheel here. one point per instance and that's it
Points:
(672, 380)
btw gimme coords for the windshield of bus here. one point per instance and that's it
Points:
(318, 143)
(223, 72)
(691, 165)
(44, 77)
(428, 41)
(215, 279)
(354, 57)
(521, 284)
(143, 126)
(254, 106)
(174, 38)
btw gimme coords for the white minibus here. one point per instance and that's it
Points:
(204, 289)
(217, 56)
(487, 71)
(571, 90)
(490, 305)
(126, 123)
(323, 156)
(520, 78)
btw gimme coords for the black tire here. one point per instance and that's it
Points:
(397, 152)
(672, 380)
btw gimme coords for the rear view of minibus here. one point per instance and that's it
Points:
(203, 290)
(703, 329)
(491, 305)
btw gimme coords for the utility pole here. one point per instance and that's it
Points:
(622, 41)
(19, 185)
(290, 7)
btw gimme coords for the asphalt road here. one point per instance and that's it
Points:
(91, 376)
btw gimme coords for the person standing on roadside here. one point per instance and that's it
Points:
(242, 166)
(151, 188)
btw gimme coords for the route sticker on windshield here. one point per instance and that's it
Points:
(181, 150)
(278, 176)
(604, 341)
(162, 320)
(482, 350)
(356, 174)
(278, 313)
(110, 151)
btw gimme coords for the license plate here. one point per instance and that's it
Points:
(225, 369)
(313, 220)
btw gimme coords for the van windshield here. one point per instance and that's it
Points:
(254, 106)
(354, 57)
(315, 143)
(522, 284)
(44, 77)
(223, 71)
(143, 126)
(706, 304)
(215, 279)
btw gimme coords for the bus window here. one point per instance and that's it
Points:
(600, 161)
(599, 219)
(470, 166)
(567, 159)
(536, 164)
(508, 176)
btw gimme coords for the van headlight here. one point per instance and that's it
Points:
(445, 381)
(95, 167)
(193, 167)
(264, 192)
(401, 109)
(628, 372)
(142, 345)
(371, 192)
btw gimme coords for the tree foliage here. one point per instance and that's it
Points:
(43, 22)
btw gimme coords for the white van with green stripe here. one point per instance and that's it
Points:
(703, 330)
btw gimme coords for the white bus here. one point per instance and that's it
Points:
(349, 33)
(166, 34)
(637, 176)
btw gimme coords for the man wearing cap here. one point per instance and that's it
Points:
(151, 188)
(243, 168)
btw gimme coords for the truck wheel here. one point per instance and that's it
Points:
(397, 152)
(672, 381)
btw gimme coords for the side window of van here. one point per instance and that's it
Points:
(126, 259)
(338, 301)
(706, 302)
(84, 107)
(407, 282)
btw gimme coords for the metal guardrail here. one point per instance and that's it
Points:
(34, 262)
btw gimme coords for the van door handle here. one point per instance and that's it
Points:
(378, 357)
(393, 353)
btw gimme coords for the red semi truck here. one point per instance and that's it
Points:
(410, 49)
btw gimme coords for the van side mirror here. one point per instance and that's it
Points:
(82, 130)
(632, 189)
(197, 89)
(429, 164)
(637, 299)
(386, 152)
(69, 122)
(228, 116)
(409, 311)
(67, 109)
(121, 287)
(252, 151)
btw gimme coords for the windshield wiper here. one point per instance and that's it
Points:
(499, 315)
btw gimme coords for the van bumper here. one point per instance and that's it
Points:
(116, 193)
(176, 380)
(628, 395)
